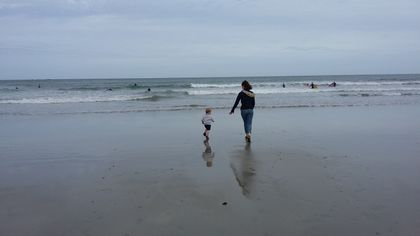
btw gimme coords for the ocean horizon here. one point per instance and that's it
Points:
(207, 77)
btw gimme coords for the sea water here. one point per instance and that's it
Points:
(78, 96)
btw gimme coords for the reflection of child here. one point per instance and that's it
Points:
(208, 155)
(207, 120)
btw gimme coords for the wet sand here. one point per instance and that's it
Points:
(311, 171)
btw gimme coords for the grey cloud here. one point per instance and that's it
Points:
(206, 37)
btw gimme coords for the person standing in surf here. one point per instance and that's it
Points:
(247, 98)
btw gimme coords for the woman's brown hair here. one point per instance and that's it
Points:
(246, 85)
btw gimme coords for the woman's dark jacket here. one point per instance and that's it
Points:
(247, 99)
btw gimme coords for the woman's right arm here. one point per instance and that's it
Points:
(238, 98)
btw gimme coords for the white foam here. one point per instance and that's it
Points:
(237, 85)
(305, 83)
(257, 91)
(214, 85)
(52, 100)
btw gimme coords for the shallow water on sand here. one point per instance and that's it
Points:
(317, 171)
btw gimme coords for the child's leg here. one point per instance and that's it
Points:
(207, 130)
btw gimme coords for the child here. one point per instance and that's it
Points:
(207, 120)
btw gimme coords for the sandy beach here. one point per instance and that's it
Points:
(311, 171)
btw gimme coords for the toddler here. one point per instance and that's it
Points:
(207, 120)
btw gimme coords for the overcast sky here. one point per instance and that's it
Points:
(47, 39)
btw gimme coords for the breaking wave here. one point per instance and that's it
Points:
(52, 100)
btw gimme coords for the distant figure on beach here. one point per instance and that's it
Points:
(148, 90)
(110, 89)
(247, 98)
(39, 85)
(333, 84)
(135, 85)
(207, 120)
(313, 85)
(208, 155)
(284, 86)
(16, 88)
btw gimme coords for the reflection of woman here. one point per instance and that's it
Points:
(247, 98)
(243, 166)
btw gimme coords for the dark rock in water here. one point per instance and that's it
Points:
(224, 203)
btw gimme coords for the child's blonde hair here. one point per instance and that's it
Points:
(208, 110)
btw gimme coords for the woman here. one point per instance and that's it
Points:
(247, 98)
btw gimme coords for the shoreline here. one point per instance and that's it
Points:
(194, 108)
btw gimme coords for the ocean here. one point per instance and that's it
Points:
(80, 96)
